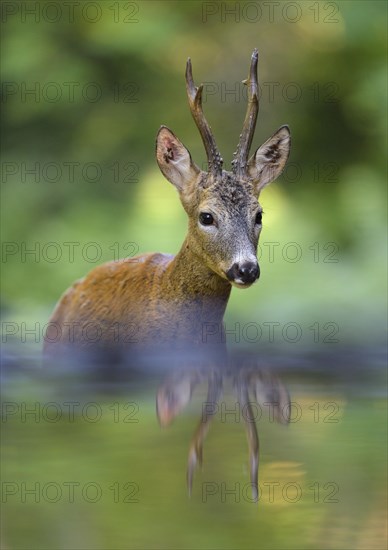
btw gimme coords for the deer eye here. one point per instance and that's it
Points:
(205, 218)
(259, 217)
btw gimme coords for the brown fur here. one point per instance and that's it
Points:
(151, 300)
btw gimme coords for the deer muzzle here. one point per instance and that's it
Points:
(244, 273)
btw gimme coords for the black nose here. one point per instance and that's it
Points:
(246, 272)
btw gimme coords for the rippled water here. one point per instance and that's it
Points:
(86, 463)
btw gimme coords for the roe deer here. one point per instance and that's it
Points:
(167, 300)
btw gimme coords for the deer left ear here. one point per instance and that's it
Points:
(269, 160)
(174, 160)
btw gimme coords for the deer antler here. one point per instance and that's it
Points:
(194, 95)
(239, 163)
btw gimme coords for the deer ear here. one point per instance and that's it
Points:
(174, 159)
(269, 160)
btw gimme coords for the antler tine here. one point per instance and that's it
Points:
(241, 156)
(194, 95)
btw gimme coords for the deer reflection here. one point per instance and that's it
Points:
(251, 385)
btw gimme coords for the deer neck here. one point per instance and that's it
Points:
(197, 285)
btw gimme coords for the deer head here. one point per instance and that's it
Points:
(225, 217)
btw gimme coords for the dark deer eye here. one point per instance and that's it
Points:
(205, 218)
(258, 218)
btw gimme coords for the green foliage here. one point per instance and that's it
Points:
(328, 76)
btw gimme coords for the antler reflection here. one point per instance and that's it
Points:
(252, 384)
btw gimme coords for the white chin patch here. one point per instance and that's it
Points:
(238, 283)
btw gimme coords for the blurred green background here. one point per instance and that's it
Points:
(85, 87)
(84, 96)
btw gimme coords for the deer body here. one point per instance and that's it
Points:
(156, 299)
(150, 300)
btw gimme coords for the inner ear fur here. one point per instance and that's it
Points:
(174, 159)
(269, 160)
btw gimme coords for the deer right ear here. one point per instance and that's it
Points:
(269, 160)
(174, 159)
